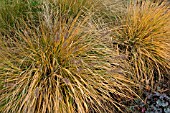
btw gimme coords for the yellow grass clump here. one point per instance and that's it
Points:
(145, 38)
(59, 65)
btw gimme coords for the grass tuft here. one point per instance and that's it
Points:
(145, 38)
(59, 66)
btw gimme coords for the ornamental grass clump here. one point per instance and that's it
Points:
(59, 66)
(145, 38)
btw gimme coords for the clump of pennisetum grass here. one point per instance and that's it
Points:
(59, 66)
(145, 38)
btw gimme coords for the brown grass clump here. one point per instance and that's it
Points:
(59, 66)
(145, 38)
